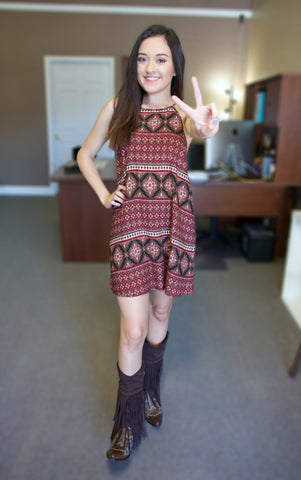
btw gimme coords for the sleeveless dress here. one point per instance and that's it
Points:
(152, 243)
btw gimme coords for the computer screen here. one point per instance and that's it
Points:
(233, 146)
(196, 155)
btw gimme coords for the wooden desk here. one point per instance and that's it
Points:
(85, 223)
(239, 199)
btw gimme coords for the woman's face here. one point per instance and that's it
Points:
(155, 68)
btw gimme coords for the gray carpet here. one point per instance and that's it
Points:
(230, 410)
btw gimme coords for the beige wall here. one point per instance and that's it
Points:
(275, 38)
(211, 47)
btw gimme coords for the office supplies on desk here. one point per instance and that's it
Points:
(198, 175)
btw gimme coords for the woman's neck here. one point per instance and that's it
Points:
(157, 102)
(156, 107)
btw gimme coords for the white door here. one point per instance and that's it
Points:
(76, 89)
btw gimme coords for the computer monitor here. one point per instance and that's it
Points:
(196, 155)
(232, 147)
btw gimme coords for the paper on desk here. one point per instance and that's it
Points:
(198, 175)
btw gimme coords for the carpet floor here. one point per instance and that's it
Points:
(231, 412)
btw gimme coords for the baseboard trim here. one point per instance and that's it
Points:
(30, 190)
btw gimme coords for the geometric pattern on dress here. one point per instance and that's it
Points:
(152, 242)
(135, 252)
(180, 261)
(157, 122)
(151, 185)
(142, 279)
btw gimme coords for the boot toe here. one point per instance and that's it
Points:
(121, 445)
(154, 420)
(153, 411)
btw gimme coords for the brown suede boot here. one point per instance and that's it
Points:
(153, 363)
(129, 427)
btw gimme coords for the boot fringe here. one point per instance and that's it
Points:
(130, 413)
(152, 374)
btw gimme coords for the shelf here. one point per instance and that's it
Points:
(282, 112)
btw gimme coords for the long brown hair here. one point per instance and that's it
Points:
(128, 101)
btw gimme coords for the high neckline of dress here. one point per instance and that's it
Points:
(149, 107)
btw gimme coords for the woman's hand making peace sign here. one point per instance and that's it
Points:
(204, 117)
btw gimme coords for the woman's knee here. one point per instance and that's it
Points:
(161, 312)
(133, 336)
(134, 320)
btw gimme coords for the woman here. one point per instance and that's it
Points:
(152, 241)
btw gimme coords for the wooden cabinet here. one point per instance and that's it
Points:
(282, 116)
(85, 223)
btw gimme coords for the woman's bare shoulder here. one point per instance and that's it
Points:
(109, 108)
(184, 121)
(181, 113)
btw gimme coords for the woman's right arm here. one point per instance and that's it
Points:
(85, 158)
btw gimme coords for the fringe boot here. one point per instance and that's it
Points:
(153, 362)
(129, 427)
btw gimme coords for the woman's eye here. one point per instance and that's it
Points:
(161, 60)
(141, 59)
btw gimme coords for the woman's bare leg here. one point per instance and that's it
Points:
(134, 313)
(129, 418)
(140, 317)
(159, 309)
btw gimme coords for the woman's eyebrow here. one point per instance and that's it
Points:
(157, 54)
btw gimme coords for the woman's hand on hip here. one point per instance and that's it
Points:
(116, 198)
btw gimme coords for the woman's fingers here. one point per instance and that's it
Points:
(197, 93)
(198, 99)
(118, 196)
(183, 106)
(214, 111)
(205, 117)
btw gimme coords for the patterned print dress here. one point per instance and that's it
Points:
(152, 241)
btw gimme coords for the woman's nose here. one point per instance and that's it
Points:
(150, 66)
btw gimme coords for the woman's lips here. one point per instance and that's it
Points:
(151, 78)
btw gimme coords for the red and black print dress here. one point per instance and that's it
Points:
(152, 241)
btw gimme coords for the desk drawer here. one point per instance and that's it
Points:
(237, 199)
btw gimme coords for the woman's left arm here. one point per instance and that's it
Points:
(202, 121)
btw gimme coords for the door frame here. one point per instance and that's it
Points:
(49, 60)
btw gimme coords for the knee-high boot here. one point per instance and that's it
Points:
(153, 363)
(129, 427)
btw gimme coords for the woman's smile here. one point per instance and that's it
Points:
(151, 79)
(155, 68)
